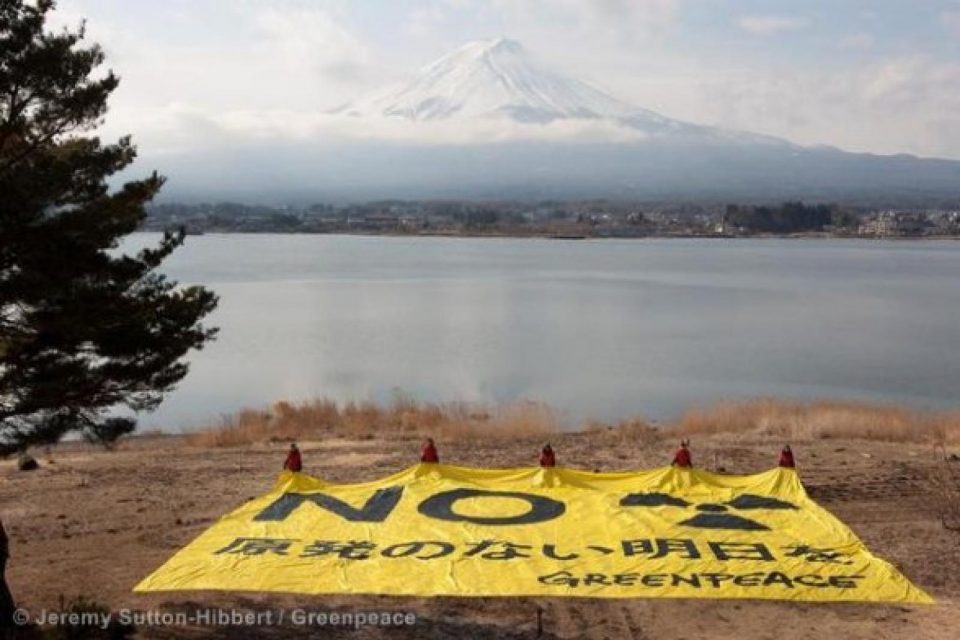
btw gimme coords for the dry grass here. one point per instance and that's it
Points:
(797, 421)
(404, 416)
(784, 420)
(635, 434)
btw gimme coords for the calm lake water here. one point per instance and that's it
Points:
(598, 328)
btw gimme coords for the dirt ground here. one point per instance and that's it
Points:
(93, 523)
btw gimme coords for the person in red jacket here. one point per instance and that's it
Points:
(293, 462)
(786, 457)
(429, 452)
(682, 457)
(547, 457)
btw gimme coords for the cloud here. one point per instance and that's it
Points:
(857, 41)
(771, 25)
(904, 104)
(424, 21)
(605, 19)
(180, 129)
(254, 55)
(312, 38)
(951, 22)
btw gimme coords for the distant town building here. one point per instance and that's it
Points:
(894, 223)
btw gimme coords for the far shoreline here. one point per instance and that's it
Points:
(569, 238)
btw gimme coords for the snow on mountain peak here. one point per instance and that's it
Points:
(494, 46)
(498, 78)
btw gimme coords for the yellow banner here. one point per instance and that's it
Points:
(445, 530)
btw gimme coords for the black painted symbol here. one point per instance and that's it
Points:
(541, 508)
(711, 515)
(376, 509)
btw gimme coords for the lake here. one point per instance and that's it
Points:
(596, 328)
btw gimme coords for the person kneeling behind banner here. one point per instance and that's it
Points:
(429, 453)
(293, 462)
(682, 457)
(547, 457)
(786, 457)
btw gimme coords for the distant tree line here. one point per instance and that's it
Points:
(599, 217)
(789, 217)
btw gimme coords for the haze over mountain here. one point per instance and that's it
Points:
(499, 79)
(490, 121)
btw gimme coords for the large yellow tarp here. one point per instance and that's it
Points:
(446, 530)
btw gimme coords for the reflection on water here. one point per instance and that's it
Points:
(597, 328)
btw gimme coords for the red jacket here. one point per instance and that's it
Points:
(548, 458)
(786, 459)
(682, 458)
(429, 454)
(293, 461)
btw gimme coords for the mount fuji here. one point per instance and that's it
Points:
(498, 79)
(489, 78)
(543, 135)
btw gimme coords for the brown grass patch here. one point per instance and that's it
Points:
(786, 420)
(635, 434)
(323, 418)
(795, 420)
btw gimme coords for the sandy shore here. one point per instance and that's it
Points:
(93, 523)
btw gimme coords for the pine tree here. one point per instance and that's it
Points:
(84, 328)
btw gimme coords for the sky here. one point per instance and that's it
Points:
(879, 76)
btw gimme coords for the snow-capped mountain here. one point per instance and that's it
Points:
(499, 79)
(489, 121)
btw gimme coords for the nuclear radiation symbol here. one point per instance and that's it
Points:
(711, 515)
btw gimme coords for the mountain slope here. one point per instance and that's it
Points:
(498, 78)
